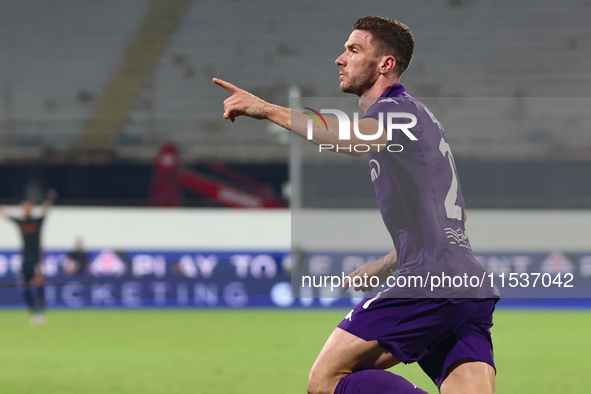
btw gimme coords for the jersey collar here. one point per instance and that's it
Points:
(396, 90)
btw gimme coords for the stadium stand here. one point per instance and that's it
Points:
(509, 81)
(132, 73)
(56, 58)
(465, 49)
(59, 57)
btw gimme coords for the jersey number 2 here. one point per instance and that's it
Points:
(452, 210)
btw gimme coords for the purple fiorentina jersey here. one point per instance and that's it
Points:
(421, 202)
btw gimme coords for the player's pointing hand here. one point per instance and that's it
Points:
(242, 102)
(226, 85)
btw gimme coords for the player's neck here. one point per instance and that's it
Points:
(368, 98)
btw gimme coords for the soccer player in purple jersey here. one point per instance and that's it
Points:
(445, 329)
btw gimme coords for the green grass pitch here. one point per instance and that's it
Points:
(251, 351)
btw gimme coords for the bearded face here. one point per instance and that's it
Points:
(359, 81)
(358, 65)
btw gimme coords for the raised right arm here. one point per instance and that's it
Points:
(243, 103)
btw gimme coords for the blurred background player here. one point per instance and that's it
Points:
(31, 275)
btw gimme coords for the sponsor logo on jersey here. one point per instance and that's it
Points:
(374, 165)
(349, 315)
(388, 100)
(457, 237)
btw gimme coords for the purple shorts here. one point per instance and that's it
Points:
(434, 332)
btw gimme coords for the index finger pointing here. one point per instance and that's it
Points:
(226, 85)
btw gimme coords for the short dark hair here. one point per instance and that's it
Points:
(389, 37)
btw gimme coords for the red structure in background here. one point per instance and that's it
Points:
(227, 188)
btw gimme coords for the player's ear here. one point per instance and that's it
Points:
(387, 64)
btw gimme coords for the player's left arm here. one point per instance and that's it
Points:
(48, 203)
(382, 269)
(243, 103)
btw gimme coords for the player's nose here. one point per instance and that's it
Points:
(339, 60)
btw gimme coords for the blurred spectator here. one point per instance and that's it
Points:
(76, 261)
